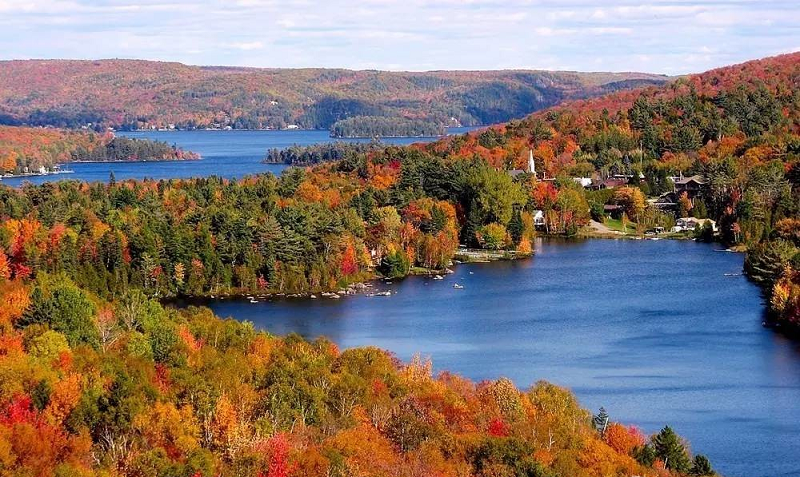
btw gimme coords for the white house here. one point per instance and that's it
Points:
(538, 218)
(689, 224)
(583, 181)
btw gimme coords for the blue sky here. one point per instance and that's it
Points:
(671, 37)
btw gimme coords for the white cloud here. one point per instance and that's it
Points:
(248, 45)
(670, 36)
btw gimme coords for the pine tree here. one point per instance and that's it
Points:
(701, 466)
(670, 449)
(516, 227)
(600, 421)
(645, 455)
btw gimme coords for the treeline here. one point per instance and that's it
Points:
(131, 94)
(130, 388)
(33, 150)
(319, 153)
(380, 126)
(321, 229)
(132, 149)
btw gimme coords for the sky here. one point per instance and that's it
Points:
(670, 36)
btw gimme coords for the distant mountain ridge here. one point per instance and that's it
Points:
(134, 94)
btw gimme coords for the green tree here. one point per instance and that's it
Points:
(492, 236)
(395, 264)
(516, 227)
(670, 448)
(701, 466)
(496, 193)
(64, 308)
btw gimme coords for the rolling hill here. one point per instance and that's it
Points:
(142, 94)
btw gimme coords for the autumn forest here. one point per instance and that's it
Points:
(101, 375)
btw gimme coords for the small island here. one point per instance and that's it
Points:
(309, 155)
(381, 126)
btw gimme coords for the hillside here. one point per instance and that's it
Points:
(25, 150)
(140, 94)
(736, 129)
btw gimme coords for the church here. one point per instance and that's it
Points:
(531, 167)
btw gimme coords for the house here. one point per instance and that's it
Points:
(538, 219)
(690, 224)
(585, 182)
(613, 210)
(694, 186)
(666, 201)
(610, 183)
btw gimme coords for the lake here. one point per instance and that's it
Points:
(653, 330)
(228, 154)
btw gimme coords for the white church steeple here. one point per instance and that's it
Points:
(531, 164)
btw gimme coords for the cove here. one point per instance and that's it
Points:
(655, 331)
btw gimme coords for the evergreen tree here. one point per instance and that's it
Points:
(475, 220)
(669, 448)
(701, 466)
(600, 421)
(645, 455)
(516, 227)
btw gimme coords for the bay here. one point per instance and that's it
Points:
(654, 331)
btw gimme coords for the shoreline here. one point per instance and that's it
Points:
(356, 288)
(34, 174)
(136, 162)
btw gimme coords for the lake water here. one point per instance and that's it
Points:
(652, 330)
(228, 154)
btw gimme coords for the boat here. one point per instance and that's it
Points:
(458, 286)
(438, 277)
(383, 293)
(253, 300)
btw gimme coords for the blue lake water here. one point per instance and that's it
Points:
(228, 154)
(654, 331)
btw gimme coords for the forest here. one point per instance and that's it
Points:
(31, 150)
(378, 126)
(136, 149)
(318, 153)
(98, 377)
(130, 94)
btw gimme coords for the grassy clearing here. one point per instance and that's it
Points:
(616, 225)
